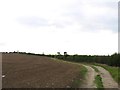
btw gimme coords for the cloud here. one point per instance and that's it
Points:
(37, 22)
(2, 44)
(94, 15)
(76, 26)
(32, 21)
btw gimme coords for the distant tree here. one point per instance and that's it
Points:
(58, 53)
(65, 53)
(114, 61)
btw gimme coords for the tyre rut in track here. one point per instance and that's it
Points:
(90, 77)
(108, 81)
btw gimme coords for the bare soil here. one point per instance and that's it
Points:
(29, 71)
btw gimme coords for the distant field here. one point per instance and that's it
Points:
(29, 71)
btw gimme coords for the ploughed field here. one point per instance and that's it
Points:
(29, 71)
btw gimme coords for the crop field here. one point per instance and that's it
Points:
(29, 71)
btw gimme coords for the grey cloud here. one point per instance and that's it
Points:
(58, 25)
(109, 4)
(106, 21)
(98, 23)
(76, 14)
(41, 22)
(33, 21)
(109, 23)
(61, 24)
(101, 23)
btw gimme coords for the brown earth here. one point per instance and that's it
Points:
(29, 71)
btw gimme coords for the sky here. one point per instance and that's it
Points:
(74, 26)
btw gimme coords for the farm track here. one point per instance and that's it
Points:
(108, 81)
(90, 77)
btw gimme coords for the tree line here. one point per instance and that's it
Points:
(112, 60)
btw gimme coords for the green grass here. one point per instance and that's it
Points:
(78, 80)
(95, 68)
(98, 81)
(112, 70)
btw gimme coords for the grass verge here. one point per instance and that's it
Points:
(78, 80)
(98, 81)
(112, 70)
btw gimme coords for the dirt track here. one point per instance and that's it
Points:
(107, 79)
(90, 77)
(28, 71)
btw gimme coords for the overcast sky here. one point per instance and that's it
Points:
(51, 26)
